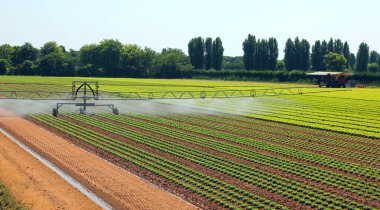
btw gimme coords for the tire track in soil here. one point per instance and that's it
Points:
(349, 195)
(119, 188)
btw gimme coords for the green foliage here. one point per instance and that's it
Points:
(374, 56)
(169, 64)
(346, 53)
(317, 56)
(280, 65)
(352, 61)
(217, 54)
(362, 58)
(23, 53)
(6, 52)
(196, 48)
(109, 57)
(373, 67)
(233, 63)
(290, 54)
(50, 48)
(297, 54)
(208, 53)
(131, 63)
(335, 61)
(249, 48)
(4, 66)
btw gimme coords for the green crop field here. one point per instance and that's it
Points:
(316, 150)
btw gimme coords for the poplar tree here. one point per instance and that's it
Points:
(196, 52)
(330, 46)
(346, 53)
(273, 53)
(362, 58)
(217, 54)
(317, 56)
(208, 51)
(249, 48)
(289, 54)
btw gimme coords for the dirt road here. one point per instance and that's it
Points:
(120, 189)
(34, 184)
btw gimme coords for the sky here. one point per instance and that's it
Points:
(172, 23)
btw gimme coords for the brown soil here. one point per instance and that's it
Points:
(117, 187)
(34, 184)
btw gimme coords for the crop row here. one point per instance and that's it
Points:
(276, 137)
(276, 184)
(293, 153)
(224, 194)
(320, 136)
(309, 172)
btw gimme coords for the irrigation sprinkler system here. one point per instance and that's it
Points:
(88, 92)
(86, 87)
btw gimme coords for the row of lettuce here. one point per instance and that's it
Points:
(176, 135)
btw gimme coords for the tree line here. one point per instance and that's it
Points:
(206, 54)
(111, 58)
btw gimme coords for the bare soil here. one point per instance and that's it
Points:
(119, 188)
(35, 185)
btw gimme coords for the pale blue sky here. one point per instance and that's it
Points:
(172, 23)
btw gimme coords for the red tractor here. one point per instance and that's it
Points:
(332, 79)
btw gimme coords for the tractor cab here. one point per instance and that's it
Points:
(331, 79)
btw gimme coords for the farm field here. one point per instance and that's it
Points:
(310, 151)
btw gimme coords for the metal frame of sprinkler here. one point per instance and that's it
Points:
(87, 86)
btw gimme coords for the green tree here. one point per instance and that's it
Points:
(169, 63)
(27, 68)
(346, 53)
(373, 67)
(217, 54)
(54, 62)
(330, 46)
(324, 51)
(305, 55)
(249, 49)
(4, 66)
(335, 61)
(373, 57)
(196, 52)
(362, 58)
(209, 53)
(352, 61)
(109, 57)
(23, 53)
(272, 53)
(50, 48)
(131, 61)
(262, 55)
(6, 52)
(317, 56)
(233, 63)
(298, 54)
(338, 46)
(290, 55)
